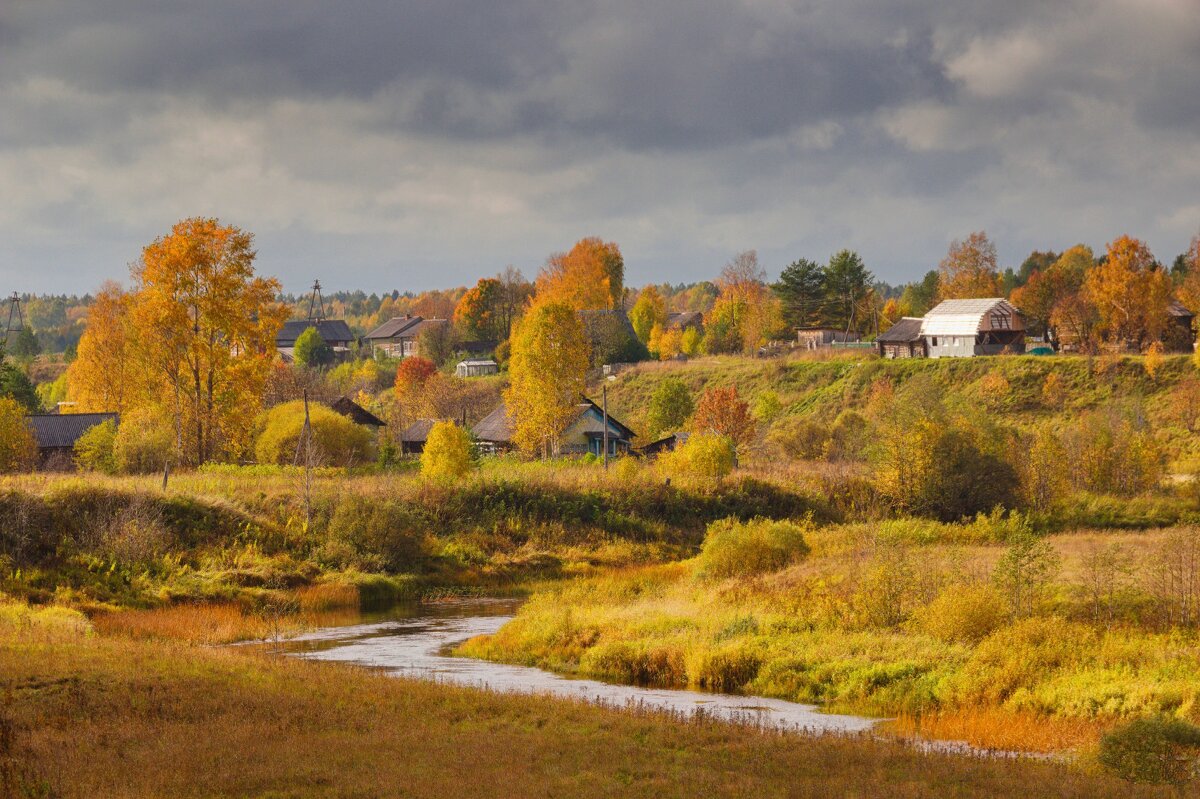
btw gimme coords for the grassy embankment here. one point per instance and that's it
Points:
(239, 535)
(901, 619)
(90, 715)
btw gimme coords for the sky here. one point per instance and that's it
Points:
(391, 144)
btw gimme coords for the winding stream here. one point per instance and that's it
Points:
(415, 641)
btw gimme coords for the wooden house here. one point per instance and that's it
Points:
(413, 438)
(685, 320)
(356, 413)
(398, 337)
(334, 332)
(810, 338)
(668, 443)
(583, 434)
(964, 328)
(902, 340)
(1180, 335)
(57, 433)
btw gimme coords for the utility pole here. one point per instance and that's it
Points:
(605, 394)
(316, 303)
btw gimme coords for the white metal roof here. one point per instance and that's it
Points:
(968, 317)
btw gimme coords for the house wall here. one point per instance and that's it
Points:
(950, 346)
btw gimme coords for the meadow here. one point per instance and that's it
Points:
(91, 714)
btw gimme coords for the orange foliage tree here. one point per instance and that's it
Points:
(723, 411)
(205, 329)
(1130, 293)
(969, 269)
(589, 277)
(479, 312)
(105, 375)
(1051, 296)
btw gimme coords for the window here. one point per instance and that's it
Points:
(933, 342)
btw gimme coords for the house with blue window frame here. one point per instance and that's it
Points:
(584, 433)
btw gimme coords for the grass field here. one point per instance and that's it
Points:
(88, 715)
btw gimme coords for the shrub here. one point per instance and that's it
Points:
(966, 613)
(766, 406)
(705, 456)
(18, 450)
(1024, 570)
(848, 437)
(145, 441)
(1155, 750)
(739, 549)
(312, 350)
(448, 453)
(337, 441)
(797, 438)
(723, 411)
(373, 535)
(94, 449)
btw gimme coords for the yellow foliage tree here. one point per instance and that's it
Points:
(18, 450)
(1154, 359)
(1130, 294)
(649, 312)
(589, 277)
(546, 375)
(969, 269)
(206, 326)
(106, 375)
(447, 453)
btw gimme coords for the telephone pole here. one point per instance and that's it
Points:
(14, 309)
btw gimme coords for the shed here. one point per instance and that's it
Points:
(683, 320)
(56, 434)
(812, 337)
(902, 340)
(476, 367)
(356, 413)
(667, 443)
(413, 438)
(963, 328)
(1180, 335)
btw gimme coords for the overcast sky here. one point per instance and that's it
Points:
(384, 144)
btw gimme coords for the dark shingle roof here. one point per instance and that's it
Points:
(403, 327)
(906, 330)
(1178, 309)
(332, 330)
(418, 431)
(356, 413)
(685, 319)
(62, 430)
(497, 426)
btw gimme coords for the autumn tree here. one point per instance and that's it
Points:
(206, 325)
(1050, 298)
(447, 454)
(480, 313)
(591, 276)
(1130, 293)
(546, 372)
(746, 312)
(18, 450)
(918, 297)
(969, 269)
(107, 373)
(1188, 291)
(649, 310)
(670, 406)
(724, 412)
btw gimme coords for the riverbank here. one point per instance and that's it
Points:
(90, 715)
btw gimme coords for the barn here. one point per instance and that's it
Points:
(963, 328)
(584, 433)
(902, 340)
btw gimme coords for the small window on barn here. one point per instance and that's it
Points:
(934, 342)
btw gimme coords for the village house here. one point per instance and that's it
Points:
(583, 434)
(57, 433)
(668, 443)
(963, 328)
(398, 337)
(334, 332)
(902, 340)
(685, 320)
(1180, 335)
(412, 439)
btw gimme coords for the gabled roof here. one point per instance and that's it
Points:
(62, 430)
(971, 316)
(907, 330)
(356, 413)
(1178, 309)
(497, 426)
(331, 330)
(477, 362)
(418, 431)
(403, 327)
(683, 319)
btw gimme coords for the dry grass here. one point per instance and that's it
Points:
(220, 623)
(992, 728)
(119, 717)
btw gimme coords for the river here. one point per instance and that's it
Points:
(414, 641)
